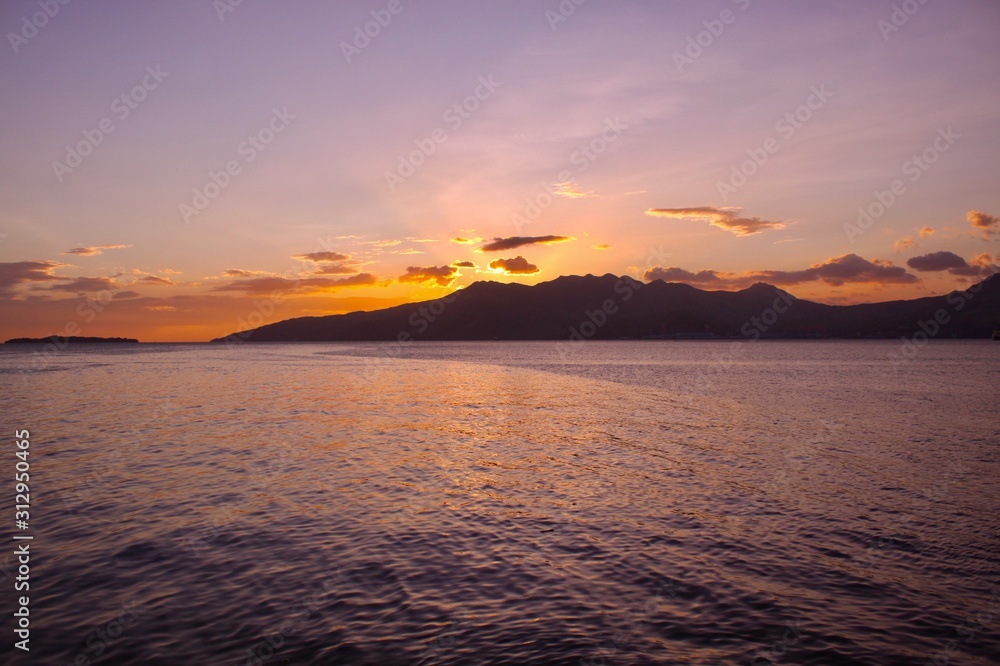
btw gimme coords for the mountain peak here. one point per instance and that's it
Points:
(761, 287)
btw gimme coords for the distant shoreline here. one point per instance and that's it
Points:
(719, 340)
(61, 340)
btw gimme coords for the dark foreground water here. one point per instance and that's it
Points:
(508, 503)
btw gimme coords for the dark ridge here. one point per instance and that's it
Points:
(609, 307)
(58, 339)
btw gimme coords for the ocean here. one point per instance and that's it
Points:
(628, 502)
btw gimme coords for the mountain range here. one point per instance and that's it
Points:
(612, 307)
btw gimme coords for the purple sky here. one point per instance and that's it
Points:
(680, 131)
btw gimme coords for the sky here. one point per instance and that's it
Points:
(179, 171)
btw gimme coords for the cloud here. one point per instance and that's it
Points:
(319, 257)
(848, 268)
(602, 246)
(503, 244)
(937, 261)
(337, 269)
(463, 264)
(407, 251)
(280, 285)
(570, 191)
(124, 295)
(466, 241)
(954, 264)
(93, 250)
(985, 259)
(904, 244)
(840, 270)
(516, 266)
(724, 218)
(18, 272)
(927, 232)
(155, 280)
(86, 285)
(330, 263)
(674, 274)
(240, 273)
(988, 223)
(442, 276)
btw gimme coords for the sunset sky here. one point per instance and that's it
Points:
(167, 169)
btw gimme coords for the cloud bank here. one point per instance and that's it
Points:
(836, 271)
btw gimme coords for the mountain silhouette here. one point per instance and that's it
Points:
(612, 307)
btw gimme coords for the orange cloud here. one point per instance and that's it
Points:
(988, 224)
(904, 243)
(927, 232)
(441, 276)
(983, 221)
(516, 266)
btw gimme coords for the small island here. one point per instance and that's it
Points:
(58, 339)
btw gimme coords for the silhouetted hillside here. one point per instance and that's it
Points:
(76, 339)
(611, 307)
